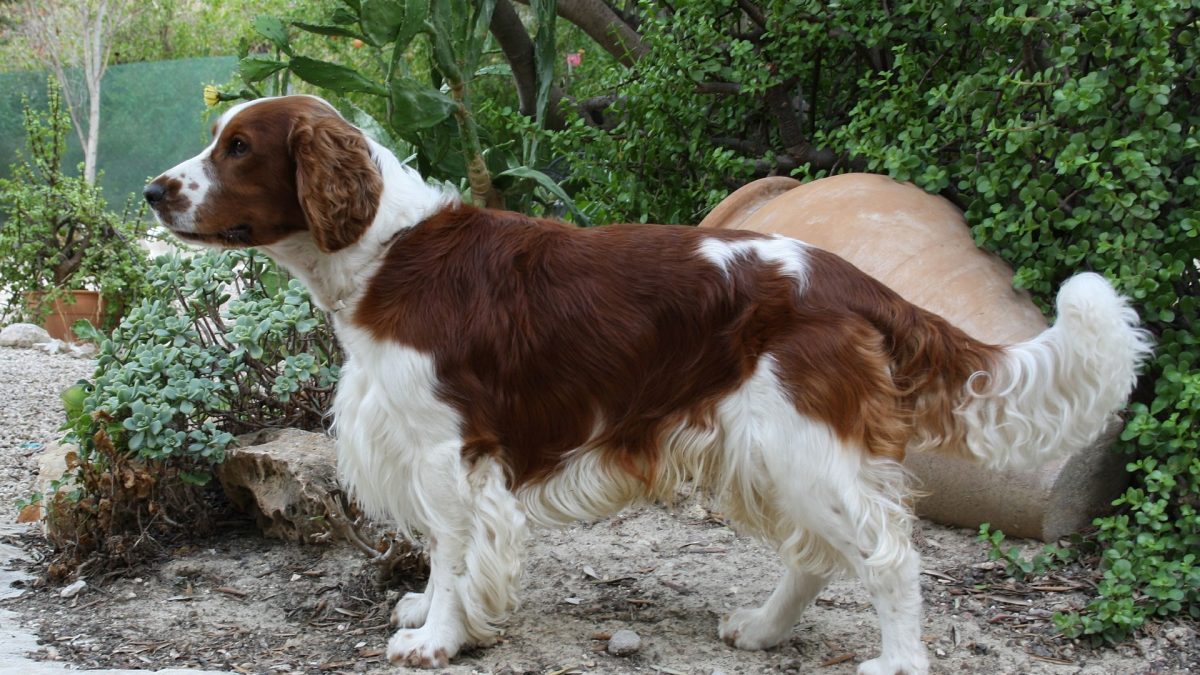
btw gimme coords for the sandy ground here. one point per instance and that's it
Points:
(247, 604)
(242, 603)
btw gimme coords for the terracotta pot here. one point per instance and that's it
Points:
(916, 243)
(920, 245)
(63, 313)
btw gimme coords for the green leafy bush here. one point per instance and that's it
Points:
(56, 232)
(226, 344)
(1068, 132)
(665, 150)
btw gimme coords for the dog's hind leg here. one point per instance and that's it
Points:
(766, 626)
(827, 503)
(866, 519)
(477, 537)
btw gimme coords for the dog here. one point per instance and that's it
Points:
(504, 371)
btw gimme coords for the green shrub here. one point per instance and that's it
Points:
(56, 232)
(1068, 132)
(225, 345)
(228, 345)
(665, 152)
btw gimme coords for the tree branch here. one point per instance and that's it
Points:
(78, 33)
(605, 27)
(726, 88)
(514, 41)
(752, 10)
(791, 131)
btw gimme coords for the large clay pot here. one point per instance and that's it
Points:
(63, 313)
(920, 245)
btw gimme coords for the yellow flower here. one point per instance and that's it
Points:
(211, 95)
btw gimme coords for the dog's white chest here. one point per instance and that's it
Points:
(392, 429)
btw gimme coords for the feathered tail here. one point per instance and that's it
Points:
(1056, 393)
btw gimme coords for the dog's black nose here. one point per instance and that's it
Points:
(154, 193)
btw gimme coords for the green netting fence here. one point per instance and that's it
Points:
(152, 116)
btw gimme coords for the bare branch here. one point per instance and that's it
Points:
(518, 50)
(727, 88)
(607, 28)
(754, 12)
(70, 34)
(787, 115)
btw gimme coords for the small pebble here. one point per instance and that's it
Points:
(624, 643)
(73, 590)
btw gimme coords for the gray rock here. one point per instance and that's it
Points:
(283, 478)
(624, 643)
(51, 467)
(74, 589)
(23, 335)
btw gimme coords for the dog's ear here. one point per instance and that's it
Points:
(336, 182)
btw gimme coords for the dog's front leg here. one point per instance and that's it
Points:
(477, 534)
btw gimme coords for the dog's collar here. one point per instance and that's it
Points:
(339, 303)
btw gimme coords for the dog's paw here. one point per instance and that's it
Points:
(748, 629)
(410, 611)
(421, 648)
(917, 665)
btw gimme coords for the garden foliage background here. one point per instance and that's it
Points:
(151, 114)
(1067, 131)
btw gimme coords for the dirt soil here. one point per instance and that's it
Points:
(240, 602)
(247, 604)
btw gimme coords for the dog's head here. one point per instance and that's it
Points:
(276, 167)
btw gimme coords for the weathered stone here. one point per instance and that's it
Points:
(73, 590)
(284, 479)
(624, 643)
(23, 335)
(287, 479)
(53, 464)
(920, 246)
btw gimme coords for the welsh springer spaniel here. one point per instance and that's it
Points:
(504, 371)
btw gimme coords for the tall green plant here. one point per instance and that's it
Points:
(423, 59)
(1067, 131)
(57, 234)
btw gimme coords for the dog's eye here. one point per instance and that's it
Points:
(237, 148)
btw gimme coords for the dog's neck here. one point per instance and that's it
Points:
(336, 280)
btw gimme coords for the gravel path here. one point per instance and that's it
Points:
(240, 601)
(30, 414)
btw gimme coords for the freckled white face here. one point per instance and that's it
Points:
(240, 190)
(189, 181)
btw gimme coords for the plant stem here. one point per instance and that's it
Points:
(483, 193)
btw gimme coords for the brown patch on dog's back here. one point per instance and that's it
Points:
(929, 359)
(547, 338)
